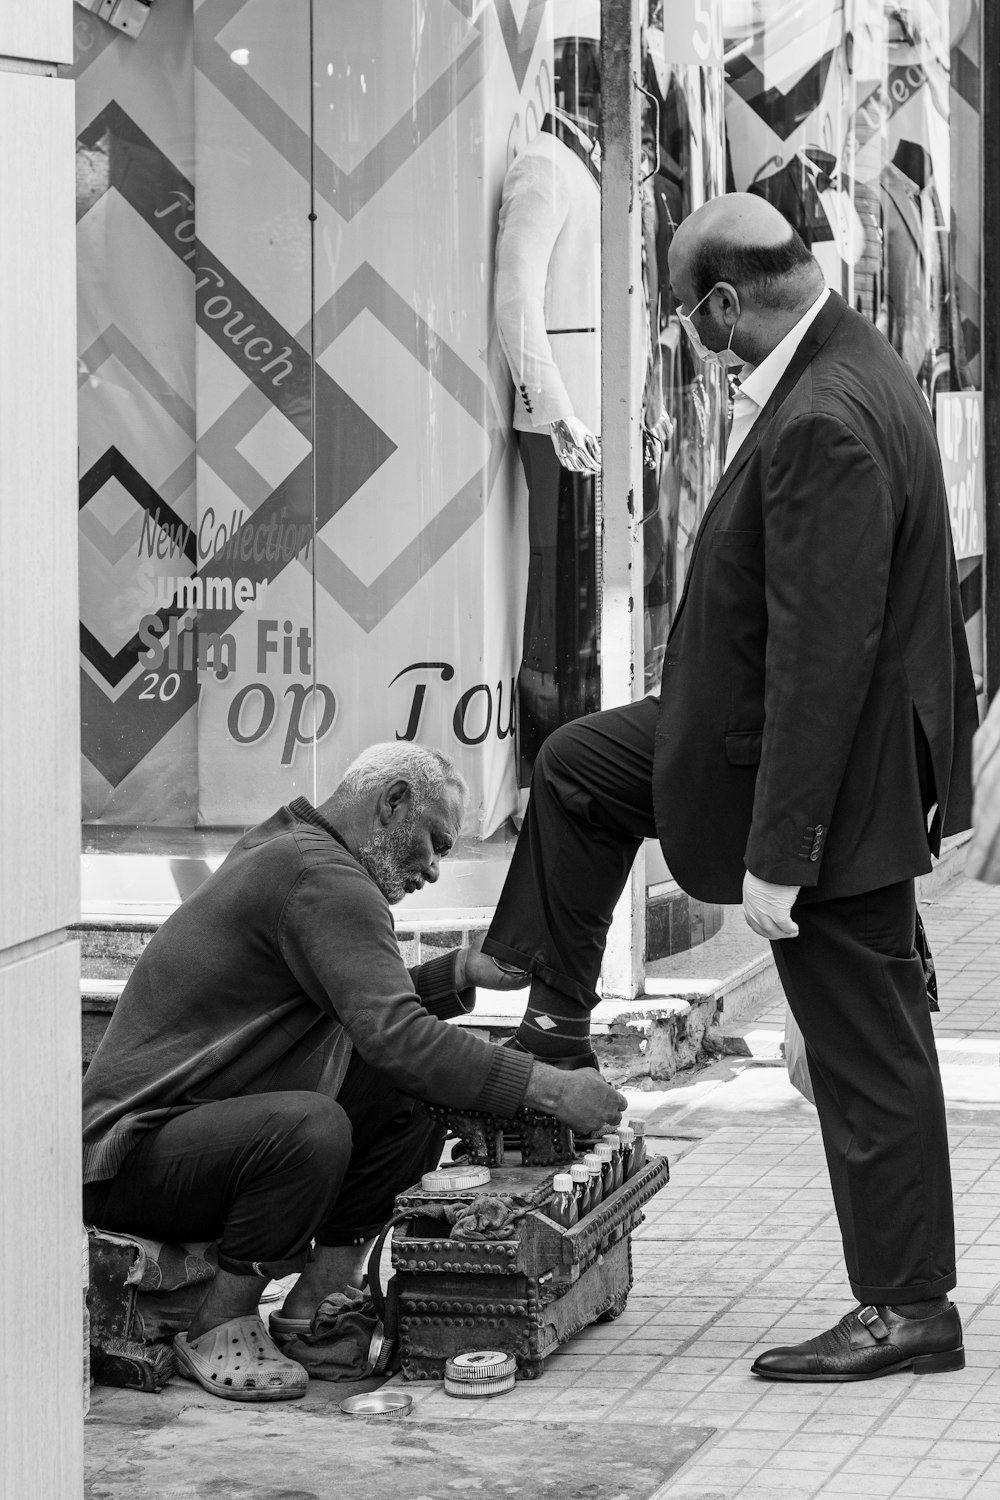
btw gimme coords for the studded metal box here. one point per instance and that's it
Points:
(526, 1294)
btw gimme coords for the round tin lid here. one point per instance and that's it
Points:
(480, 1364)
(454, 1179)
(377, 1404)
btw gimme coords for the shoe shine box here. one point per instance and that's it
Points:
(524, 1294)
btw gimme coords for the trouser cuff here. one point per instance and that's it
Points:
(888, 1296)
(274, 1270)
(539, 969)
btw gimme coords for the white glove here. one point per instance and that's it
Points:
(768, 908)
(576, 446)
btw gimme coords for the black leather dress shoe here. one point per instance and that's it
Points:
(868, 1342)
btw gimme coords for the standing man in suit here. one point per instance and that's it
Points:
(810, 747)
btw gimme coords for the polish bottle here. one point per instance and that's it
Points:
(581, 1188)
(593, 1165)
(617, 1175)
(563, 1206)
(627, 1135)
(638, 1145)
(605, 1156)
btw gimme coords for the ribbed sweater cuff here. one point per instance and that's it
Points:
(506, 1082)
(434, 982)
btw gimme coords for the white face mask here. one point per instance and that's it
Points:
(727, 357)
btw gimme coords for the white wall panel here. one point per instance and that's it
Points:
(41, 1412)
(39, 711)
(41, 30)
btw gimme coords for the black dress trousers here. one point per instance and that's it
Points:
(852, 978)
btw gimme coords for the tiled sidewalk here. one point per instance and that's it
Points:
(742, 1251)
(739, 1252)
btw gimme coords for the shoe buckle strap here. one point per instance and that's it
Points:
(871, 1319)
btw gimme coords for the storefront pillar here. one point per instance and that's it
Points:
(990, 96)
(622, 365)
(42, 1393)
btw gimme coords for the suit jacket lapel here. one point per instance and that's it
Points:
(816, 336)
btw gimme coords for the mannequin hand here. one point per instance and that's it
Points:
(474, 967)
(768, 908)
(658, 422)
(576, 446)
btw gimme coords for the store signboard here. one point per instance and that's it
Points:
(693, 32)
(960, 435)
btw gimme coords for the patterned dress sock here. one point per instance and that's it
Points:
(554, 1024)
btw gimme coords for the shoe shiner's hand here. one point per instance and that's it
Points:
(768, 908)
(474, 967)
(581, 1098)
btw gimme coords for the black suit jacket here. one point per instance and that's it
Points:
(817, 700)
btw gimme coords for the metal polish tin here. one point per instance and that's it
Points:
(481, 1364)
(457, 1179)
(377, 1405)
(474, 1389)
(480, 1372)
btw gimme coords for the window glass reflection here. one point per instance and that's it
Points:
(861, 123)
(682, 144)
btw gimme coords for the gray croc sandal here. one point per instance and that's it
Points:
(239, 1362)
(286, 1328)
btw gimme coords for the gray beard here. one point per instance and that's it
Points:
(387, 856)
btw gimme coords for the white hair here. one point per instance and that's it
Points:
(428, 772)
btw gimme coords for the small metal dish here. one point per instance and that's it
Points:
(378, 1405)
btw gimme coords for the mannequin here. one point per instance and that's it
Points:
(548, 306)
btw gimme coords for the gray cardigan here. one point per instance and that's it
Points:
(264, 979)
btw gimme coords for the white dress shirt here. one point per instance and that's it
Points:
(757, 383)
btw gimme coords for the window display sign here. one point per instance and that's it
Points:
(693, 32)
(960, 436)
(302, 522)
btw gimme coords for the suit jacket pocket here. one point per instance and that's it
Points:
(743, 747)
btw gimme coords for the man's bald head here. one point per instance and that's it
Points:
(743, 241)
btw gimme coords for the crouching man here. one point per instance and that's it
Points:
(257, 1083)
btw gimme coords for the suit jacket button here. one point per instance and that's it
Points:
(814, 856)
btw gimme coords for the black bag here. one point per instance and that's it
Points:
(354, 1334)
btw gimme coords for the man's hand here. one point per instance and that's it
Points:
(581, 1098)
(473, 967)
(576, 446)
(768, 908)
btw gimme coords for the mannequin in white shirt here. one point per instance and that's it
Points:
(548, 308)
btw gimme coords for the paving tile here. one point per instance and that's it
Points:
(759, 1418)
(869, 1485)
(865, 1463)
(717, 1489)
(773, 1482)
(899, 1424)
(891, 1447)
(918, 1488)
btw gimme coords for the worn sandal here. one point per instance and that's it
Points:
(281, 1327)
(239, 1362)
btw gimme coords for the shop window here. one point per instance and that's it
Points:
(313, 512)
(861, 123)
